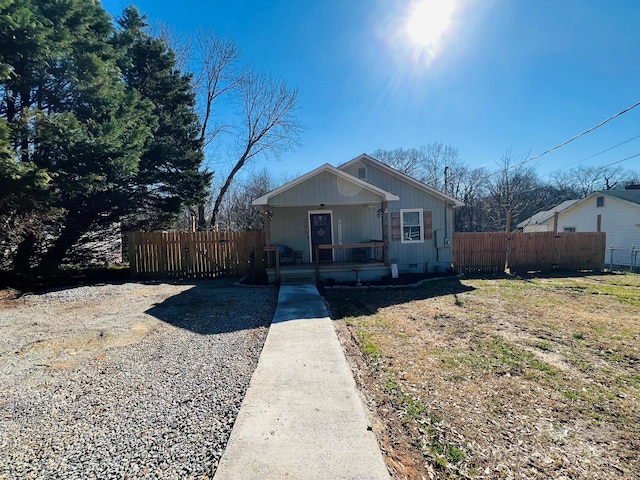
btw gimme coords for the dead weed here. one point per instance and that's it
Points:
(502, 377)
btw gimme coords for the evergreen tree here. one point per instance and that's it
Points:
(69, 114)
(170, 175)
(103, 116)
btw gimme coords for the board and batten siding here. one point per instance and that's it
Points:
(410, 196)
(325, 188)
(620, 220)
(412, 257)
(350, 224)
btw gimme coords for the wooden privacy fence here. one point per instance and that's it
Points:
(537, 251)
(194, 254)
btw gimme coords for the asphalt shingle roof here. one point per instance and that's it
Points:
(545, 215)
(628, 195)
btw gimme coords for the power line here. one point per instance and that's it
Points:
(610, 148)
(555, 203)
(602, 167)
(560, 145)
(613, 163)
(596, 169)
(591, 156)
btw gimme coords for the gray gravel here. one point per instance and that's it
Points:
(126, 381)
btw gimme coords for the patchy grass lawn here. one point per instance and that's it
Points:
(535, 377)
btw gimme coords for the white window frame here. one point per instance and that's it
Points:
(421, 224)
(570, 229)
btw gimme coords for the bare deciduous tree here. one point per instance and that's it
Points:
(586, 180)
(219, 73)
(263, 122)
(511, 189)
(269, 125)
(427, 164)
(236, 212)
(407, 161)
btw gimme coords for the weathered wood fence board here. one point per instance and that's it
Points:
(480, 252)
(539, 251)
(194, 254)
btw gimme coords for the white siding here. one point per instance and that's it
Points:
(620, 221)
(539, 227)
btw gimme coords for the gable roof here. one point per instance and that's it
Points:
(539, 218)
(632, 195)
(264, 199)
(406, 178)
(546, 215)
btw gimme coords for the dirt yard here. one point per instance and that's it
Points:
(535, 378)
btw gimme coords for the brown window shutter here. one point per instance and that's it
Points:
(428, 225)
(395, 226)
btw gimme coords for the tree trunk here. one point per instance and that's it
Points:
(227, 184)
(76, 225)
(202, 221)
(22, 258)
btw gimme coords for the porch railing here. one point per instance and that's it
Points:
(350, 254)
(334, 256)
(354, 256)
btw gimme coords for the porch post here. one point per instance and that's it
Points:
(267, 225)
(385, 233)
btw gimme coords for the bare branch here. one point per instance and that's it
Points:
(219, 73)
(181, 45)
(270, 125)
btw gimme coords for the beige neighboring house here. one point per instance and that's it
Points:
(615, 212)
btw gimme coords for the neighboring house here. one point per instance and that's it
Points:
(543, 221)
(408, 224)
(615, 212)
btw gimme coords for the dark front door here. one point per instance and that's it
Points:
(321, 235)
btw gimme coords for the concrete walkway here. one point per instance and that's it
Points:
(302, 417)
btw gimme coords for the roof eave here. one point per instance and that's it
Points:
(264, 199)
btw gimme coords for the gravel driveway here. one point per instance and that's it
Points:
(126, 380)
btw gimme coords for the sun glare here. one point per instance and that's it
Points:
(429, 20)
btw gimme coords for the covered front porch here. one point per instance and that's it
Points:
(326, 226)
(353, 263)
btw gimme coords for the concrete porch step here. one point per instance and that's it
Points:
(297, 277)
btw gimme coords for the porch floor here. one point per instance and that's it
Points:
(306, 272)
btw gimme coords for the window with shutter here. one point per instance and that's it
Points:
(395, 226)
(428, 225)
(412, 225)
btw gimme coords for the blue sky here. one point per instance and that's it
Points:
(523, 75)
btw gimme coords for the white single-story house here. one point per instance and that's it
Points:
(362, 220)
(615, 212)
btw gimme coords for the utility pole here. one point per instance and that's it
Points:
(446, 180)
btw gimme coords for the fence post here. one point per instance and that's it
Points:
(508, 243)
(611, 258)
